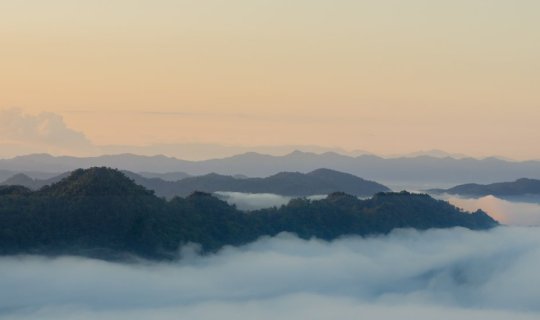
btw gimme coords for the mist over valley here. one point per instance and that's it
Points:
(444, 274)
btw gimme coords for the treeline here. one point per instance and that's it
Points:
(102, 213)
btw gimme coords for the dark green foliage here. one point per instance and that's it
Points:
(14, 190)
(100, 212)
(95, 182)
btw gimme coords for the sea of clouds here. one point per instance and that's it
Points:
(516, 212)
(434, 274)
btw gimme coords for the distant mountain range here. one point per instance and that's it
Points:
(100, 212)
(203, 151)
(167, 176)
(21, 179)
(419, 170)
(520, 187)
(40, 175)
(434, 153)
(318, 182)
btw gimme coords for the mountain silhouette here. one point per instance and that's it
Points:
(520, 187)
(102, 213)
(321, 181)
(417, 170)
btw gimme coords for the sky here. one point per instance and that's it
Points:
(386, 76)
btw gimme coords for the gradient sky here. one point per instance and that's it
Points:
(385, 76)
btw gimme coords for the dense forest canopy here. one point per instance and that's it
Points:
(101, 212)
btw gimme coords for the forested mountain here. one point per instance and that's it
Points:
(321, 181)
(520, 187)
(100, 212)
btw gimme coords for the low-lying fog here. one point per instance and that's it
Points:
(436, 274)
(254, 201)
(516, 212)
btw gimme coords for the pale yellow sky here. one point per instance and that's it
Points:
(385, 76)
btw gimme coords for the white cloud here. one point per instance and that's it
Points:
(442, 274)
(508, 212)
(254, 201)
(44, 132)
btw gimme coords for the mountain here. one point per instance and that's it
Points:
(6, 174)
(321, 181)
(419, 170)
(14, 190)
(100, 212)
(203, 151)
(167, 176)
(48, 163)
(95, 182)
(434, 153)
(21, 179)
(520, 187)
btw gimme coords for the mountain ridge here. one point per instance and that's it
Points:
(422, 169)
(100, 212)
(320, 181)
(519, 187)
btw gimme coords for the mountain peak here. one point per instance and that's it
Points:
(20, 179)
(96, 181)
(323, 170)
(340, 197)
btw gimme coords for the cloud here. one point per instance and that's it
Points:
(254, 201)
(45, 127)
(42, 132)
(515, 213)
(442, 274)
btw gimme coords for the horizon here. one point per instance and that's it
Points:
(48, 133)
(322, 151)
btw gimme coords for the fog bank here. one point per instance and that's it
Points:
(514, 213)
(255, 201)
(443, 274)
